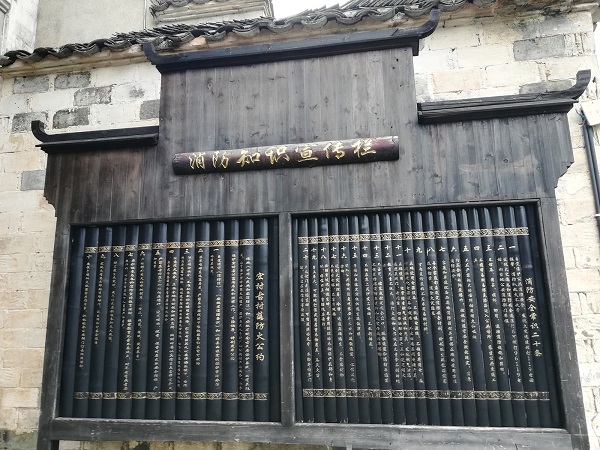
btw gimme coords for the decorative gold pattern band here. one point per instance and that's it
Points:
(176, 245)
(171, 395)
(412, 235)
(427, 394)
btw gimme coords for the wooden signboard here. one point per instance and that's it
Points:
(419, 299)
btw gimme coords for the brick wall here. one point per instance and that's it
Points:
(463, 58)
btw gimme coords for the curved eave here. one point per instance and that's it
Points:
(336, 44)
(504, 106)
(94, 140)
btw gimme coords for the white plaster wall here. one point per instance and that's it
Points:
(20, 26)
(63, 22)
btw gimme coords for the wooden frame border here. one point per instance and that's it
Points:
(574, 436)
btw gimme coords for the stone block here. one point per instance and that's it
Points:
(26, 85)
(577, 210)
(150, 109)
(563, 68)
(22, 122)
(29, 280)
(590, 303)
(93, 96)
(11, 104)
(538, 48)
(51, 101)
(565, 24)
(42, 221)
(31, 378)
(28, 318)
(19, 440)
(579, 44)
(456, 80)
(10, 378)
(454, 37)
(21, 162)
(484, 55)
(14, 263)
(587, 256)
(21, 201)
(19, 398)
(8, 421)
(71, 118)
(23, 337)
(9, 222)
(587, 328)
(579, 234)
(44, 243)
(9, 182)
(123, 114)
(515, 74)
(545, 86)
(41, 262)
(434, 60)
(23, 358)
(589, 374)
(583, 280)
(123, 93)
(16, 244)
(33, 180)
(28, 419)
(72, 80)
(500, 32)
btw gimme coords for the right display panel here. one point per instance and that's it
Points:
(433, 317)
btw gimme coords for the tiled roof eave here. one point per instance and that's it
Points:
(357, 15)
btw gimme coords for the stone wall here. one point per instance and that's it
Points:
(464, 58)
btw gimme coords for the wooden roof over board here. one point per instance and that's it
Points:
(355, 15)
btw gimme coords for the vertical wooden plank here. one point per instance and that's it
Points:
(202, 94)
(537, 156)
(466, 169)
(400, 119)
(505, 173)
(177, 121)
(488, 181)
(288, 411)
(118, 207)
(105, 187)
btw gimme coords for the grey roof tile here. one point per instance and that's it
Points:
(170, 37)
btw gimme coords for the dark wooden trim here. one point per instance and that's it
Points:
(340, 435)
(298, 49)
(504, 106)
(94, 140)
(286, 327)
(562, 325)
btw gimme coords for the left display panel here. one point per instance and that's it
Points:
(173, 321)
